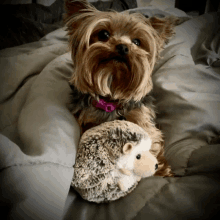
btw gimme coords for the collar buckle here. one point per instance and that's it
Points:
(106, 106)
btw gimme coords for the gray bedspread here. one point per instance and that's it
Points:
(39, 136)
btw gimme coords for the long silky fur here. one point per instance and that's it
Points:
(97, 73)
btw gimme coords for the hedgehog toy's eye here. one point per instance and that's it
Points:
(156, 166)
(138, 156)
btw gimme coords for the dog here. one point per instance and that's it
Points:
(114, 55)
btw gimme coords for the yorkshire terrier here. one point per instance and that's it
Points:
(114, 55)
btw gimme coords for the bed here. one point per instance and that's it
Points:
(39, 136)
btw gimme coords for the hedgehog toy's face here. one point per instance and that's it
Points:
(138, 159)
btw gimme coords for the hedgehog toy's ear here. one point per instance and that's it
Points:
(127, 148)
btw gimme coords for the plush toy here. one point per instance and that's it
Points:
(111, 160)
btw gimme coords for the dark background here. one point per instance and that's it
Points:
(25, 23)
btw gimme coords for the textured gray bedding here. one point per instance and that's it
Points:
(39, 136)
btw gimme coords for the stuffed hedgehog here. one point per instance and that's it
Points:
(111, 160)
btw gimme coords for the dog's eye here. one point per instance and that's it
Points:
(136, 41)
(103, 35)
(138, 156)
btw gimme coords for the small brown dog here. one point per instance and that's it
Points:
(114, 55)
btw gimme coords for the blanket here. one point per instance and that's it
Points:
(39, 136)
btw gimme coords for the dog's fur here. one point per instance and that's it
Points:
(102, 69)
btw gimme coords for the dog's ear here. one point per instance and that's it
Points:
(74, 7)
(164, 26)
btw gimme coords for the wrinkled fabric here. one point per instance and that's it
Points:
(39, 136)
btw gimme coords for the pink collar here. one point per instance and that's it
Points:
(106, 106)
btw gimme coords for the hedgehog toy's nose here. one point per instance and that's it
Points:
(156, 166)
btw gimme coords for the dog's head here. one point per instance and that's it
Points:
(114, 53)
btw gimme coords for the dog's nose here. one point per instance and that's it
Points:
(122, 49)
